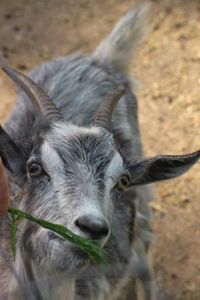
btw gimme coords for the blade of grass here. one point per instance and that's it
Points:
(89, 246)
(13, 229)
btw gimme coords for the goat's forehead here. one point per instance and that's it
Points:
(68, 131)
(70, 141)
(67, 134)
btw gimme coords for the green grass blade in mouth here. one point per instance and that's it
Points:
(90, 247)
(13, 229)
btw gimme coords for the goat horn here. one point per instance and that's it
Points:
(41, 101)
(105, 110)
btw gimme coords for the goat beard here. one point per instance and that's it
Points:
(53, 255)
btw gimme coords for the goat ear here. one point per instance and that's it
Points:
(12, 156)
(161, 167)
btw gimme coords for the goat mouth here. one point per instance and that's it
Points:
(78, 254)
(75, 249)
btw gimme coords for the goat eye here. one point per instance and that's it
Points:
(123, 183)
(34, 169)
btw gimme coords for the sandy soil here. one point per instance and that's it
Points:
(168, 64)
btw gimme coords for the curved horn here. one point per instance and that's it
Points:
(41, 101)
(104, 112)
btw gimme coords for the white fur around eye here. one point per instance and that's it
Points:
(114, 171)
(50, 158)
(115, 168)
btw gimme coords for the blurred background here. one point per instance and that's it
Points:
(168, 66)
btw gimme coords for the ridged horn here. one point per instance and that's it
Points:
(41, 101)
(103, 116)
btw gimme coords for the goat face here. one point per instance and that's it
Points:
(69, 178)
(73, 176)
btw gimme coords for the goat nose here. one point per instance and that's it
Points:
(95, 228)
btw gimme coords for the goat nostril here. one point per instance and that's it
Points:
(95, 228)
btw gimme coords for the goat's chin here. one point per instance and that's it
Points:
(59, 256)
(51, 254)
(68, 258)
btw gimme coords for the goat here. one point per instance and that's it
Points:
(73, 155)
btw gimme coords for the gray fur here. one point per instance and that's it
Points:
(118, 48)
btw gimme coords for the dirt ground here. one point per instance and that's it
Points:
(168, 65)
